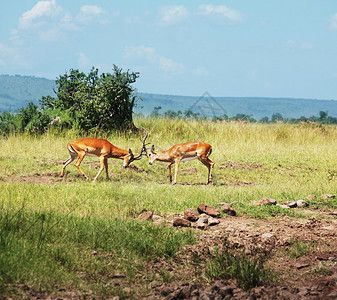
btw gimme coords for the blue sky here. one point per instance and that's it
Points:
(241, 48)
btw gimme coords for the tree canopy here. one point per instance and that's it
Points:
(101, 101)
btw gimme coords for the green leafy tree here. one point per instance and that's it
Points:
(264, 120)
(94, 101)
(323, 115)
(172, 114)
(8, 122)
(155, 113)
(26, 114)
(276, 117)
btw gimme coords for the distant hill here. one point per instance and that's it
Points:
(257, 107)
(16, 91)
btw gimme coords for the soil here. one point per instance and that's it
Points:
(312, 275)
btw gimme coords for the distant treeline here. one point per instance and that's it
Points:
(31, 119)
(322, 118)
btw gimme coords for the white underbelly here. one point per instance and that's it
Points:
(91, 154)
(189, 158)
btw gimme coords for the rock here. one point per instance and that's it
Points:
(283, 205)
(209, 210)
(291, 204)
(146, 215)
(329, 228)
(228, 209)
(327, 196)
(264, 201)
(191, 215)
(302, 203)
(212, 221)
(157, 218)
(202, 223)
(179, 222)
(266, 236)
(311, 196)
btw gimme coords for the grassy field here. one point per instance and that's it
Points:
(75, 235)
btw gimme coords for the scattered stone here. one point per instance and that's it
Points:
(302, 203)
(228, 209)
(264, 201)
(202, 223)
(146, 215)
(327, 196)
(179, 222)
(283, 205)
(157, 218)
(291, 204)
(266, 236)
(311, 196)
(209, 210)
(213, 221)
(328, 228)
(191, 215)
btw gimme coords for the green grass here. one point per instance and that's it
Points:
(298, 249)
(51, 227)
(247, 271)
(47, 249)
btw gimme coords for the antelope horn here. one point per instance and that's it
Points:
(143, 146)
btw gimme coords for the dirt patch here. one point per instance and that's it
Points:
(308, 275)
(240, 166)
(37, 178)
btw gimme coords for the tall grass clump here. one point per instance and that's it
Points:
(247, 271)
(47, 249)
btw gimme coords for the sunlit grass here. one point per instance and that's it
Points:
(282, 161)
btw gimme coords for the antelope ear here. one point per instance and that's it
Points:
(152, 149)
(130, 152)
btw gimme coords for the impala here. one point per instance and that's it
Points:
(98, 147)
(182, 152)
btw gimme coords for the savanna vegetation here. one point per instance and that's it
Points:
(86, 102)
(78, 238)
(75, 238)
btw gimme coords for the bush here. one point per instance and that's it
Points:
(103, 102)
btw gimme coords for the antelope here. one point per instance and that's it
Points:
(182, 152)
(101, 148)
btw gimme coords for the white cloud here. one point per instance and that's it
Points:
(89, 12)
(41, 9)
(47, 21)
(169, 66)
(220, 10)
(173, 14)
(333, 22)
(141, 51)
(150, 54)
